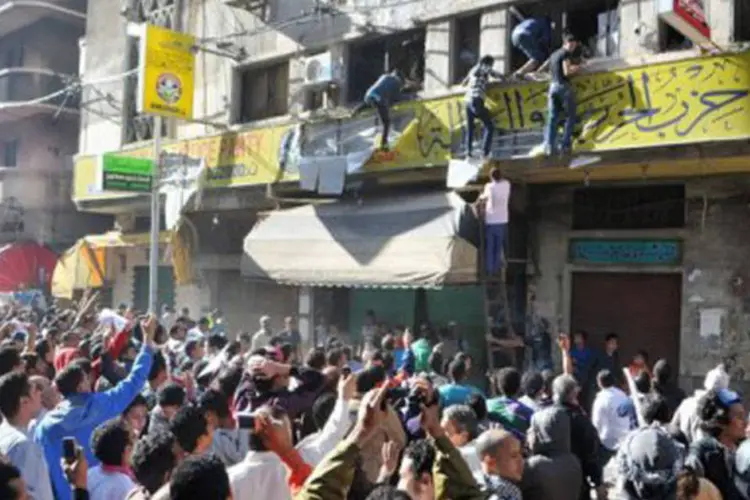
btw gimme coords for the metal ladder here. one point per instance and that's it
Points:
(495, 291)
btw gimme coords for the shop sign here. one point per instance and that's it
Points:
(689, 17)
(626, 252)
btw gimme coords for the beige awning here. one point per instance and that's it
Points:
(419, 241)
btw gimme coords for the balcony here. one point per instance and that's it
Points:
(21, 89)
(670, 119)
(17, 14)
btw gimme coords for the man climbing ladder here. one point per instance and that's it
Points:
(496, 196)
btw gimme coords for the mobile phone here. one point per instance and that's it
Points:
(246, 421)
(69, 449)
(346, 371)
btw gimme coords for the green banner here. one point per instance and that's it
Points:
(122, 173)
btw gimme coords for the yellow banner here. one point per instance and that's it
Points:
(688, 101)
(167, 73)
(234, 159)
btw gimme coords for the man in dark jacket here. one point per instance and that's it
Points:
(610, 359)
(664, 386)
(552, 471)
(267, 381)
(583, 436)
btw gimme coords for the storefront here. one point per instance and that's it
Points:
(410, 259)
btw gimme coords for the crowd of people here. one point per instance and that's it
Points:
(111, 405)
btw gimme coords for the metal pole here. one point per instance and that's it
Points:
(153, 255)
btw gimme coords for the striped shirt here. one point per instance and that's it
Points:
(478, 77)
(497, 488)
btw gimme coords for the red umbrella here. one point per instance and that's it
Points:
(26, 264)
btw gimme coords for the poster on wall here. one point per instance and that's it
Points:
(689, 17)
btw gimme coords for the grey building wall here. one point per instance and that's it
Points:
(41, 181)
(715, 255)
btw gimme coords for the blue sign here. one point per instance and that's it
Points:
(650, 252)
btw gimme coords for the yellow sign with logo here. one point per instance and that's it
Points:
(166, 77)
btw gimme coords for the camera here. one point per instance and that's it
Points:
(417, 397)
(246, 421)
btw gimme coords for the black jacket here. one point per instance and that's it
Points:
(713, 461)
(585, 446)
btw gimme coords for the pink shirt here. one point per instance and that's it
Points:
(497, 194)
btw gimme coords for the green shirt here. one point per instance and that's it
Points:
(422, 350)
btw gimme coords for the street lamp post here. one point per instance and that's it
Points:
(153, 255)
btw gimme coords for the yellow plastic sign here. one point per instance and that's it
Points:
(167, 73)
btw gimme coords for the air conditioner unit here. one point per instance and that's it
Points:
(321, 69)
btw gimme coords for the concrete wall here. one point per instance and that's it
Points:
(104, 58)
(42, 180)
(242, 302)
(193, 297)
(715, 252)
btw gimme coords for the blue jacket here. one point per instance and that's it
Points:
(538, 28)
(78, 416)
(386, 89)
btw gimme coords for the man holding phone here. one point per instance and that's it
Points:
(82, 411)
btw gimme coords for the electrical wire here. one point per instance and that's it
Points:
(70, 88)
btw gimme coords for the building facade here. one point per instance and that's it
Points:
(39, 122)
(646, 241)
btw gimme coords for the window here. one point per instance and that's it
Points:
(264, 92)
(369, 60)
(466, 46)
(595, 22)
(641, 207)
(597, 25)
(321, 98)
(10, 153)
(741, 21)
(670, 39)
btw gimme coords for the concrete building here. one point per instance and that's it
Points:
(38, 137)
(647, 243)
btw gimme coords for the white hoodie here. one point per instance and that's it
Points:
(686, 416)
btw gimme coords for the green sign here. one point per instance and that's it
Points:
(122, 173)
(627, 252)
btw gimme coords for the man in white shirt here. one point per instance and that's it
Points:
(112, 444)
(19, 402)
(496, 196)
(613, 414)
(262, 337)
(262, 474)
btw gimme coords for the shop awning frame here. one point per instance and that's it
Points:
(417, 241)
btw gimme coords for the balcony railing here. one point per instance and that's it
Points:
(18, 14)
(31, 86)
(53, 6)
